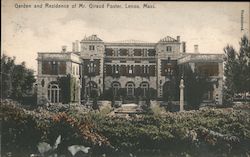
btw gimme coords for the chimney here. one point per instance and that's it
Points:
(76, 45)
(196, 49)
(64, 48)
(73, 46)
(178, 38)
(184, 47)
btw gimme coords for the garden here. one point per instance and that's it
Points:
(204, 132)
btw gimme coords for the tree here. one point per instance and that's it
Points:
(7, 66)
(146, 107)
(169, 91)
(244, 66)
(237, 70)
(231, 73)
(16, 81)
(196, 85)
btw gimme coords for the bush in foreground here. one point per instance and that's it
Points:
(218, 132)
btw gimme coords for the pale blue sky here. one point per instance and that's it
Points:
(211, 25)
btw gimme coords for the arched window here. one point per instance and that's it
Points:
(53, 93)
(130, 89)
(115, 88)
(144, 86)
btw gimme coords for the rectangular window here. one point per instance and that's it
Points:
(46, 67)
(152, 70)
(130, 69)
(115, 69)
(169, 48)
(145, 69)
(91, 47)
(92, 68)
(62, 68)
(54, 68)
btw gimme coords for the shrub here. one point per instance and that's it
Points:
(24, 129)
(219, 132)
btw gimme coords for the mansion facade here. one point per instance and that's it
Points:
(127, 68)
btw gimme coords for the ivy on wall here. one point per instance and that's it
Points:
(64, 84)
(74, 88)
(69, 89)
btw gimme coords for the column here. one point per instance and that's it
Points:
(182, 95)
(79, 93)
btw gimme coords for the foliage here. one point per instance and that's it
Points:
(16, 80)
(236, 71)
(196, 85)
(156, 110)
(74, 131)
(244, 66)
(223, 132)
(93, 94)
(105, 110)
(170, 90)
(64, 83)
(231, 73)
(218, 130)
(107, 95)
(95, 104)
(69, 89)
(74, 89)
(146, 106)
(152, 93)
(23, 129)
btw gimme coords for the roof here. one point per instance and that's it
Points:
(168, 39)
(194, 58)
(131, 41)
(56, 56)
(94, 38)
(91, 38)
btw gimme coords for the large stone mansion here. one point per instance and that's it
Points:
(127, 68)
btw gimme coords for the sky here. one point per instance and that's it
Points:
(211, 25)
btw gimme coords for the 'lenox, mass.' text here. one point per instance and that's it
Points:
(112, 6)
